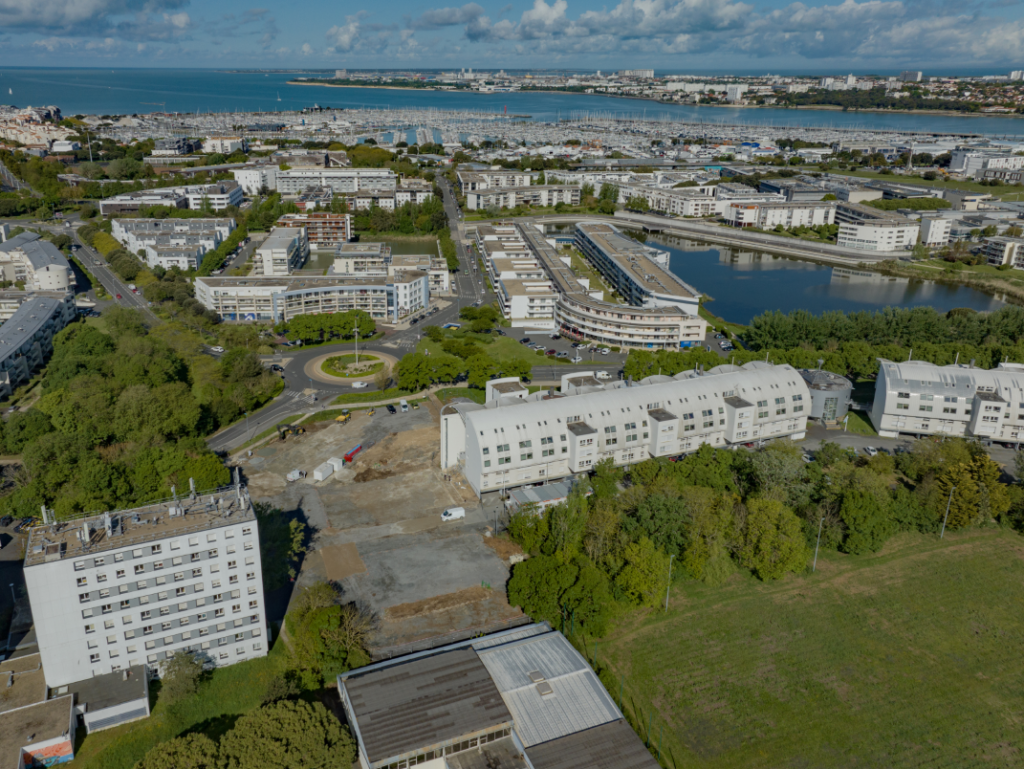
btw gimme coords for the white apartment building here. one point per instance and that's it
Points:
(295, 180)
(470, 181)
(686, 201)
(870, 229)
(1002, 250)
(390, 200)
(36, 263)
(184, 256)
(31, 320)
(255, 179)
(920, 398)
(284, 250)
(767, 216)
(375, 260)
(512, 442)
(974, 161)
(510, 197)
(216, 197)
(133, 587)
(158, 238)
(225, 145)
(935, 230)
(280, 298)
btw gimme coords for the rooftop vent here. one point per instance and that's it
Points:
(536, 676)
(544, 689)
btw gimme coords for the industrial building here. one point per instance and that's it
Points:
(519, 699)
(921, 398)
(35, 263)
(524, 441)
(281, 298)
(26, 337)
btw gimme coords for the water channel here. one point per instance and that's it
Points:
(745, 283)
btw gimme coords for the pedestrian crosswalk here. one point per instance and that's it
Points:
(309, 398)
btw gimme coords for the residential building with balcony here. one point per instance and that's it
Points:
(1002, 250)
(921, 398)
(284, 250)
(324, 230)
(869, 229)
(768, 216)
(471, 181)
(31, 320)
(510, 197)
(557, 435)
(35, 263)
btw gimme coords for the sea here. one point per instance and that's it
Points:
(96, 91)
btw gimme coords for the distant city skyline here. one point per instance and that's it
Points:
(878, 36)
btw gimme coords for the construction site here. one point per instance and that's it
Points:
(370, 489)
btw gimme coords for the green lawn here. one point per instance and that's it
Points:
(908, 658)
(859, 424)
(582, 268)
(446, 394)
(229, 692)
(499, 348)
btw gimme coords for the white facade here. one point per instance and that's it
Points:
(510, 197)
(256, 178)
(767, 216)
(1002, 250)
(542, 437)
(36, 263)
(216, 196)
(285, 249)
(470, 181)
(935, 230)
(225, 145)
(870, 229)
(152, 582)
(920, 398)
(295, 180)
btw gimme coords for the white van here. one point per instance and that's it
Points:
(453, 513)
(404, 404)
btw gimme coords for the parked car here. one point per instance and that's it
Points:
(12, 409)
(6, 521)
(562, 354)
(392, 409)
(577, 359)
(551, 352)
(603, 375)
(524, 340)
(217, 349)
(360, 385)
(605, 351)
(277, 368)
(870, 451)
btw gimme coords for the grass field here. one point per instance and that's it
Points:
(1006, 191)
(229, 693)
(908, 658)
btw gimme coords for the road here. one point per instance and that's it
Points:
(98, 267)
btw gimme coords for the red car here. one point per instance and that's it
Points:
(551, 352)
(118, 296)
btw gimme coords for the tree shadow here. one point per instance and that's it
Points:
(215, 727)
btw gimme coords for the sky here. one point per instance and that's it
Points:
(943, 36)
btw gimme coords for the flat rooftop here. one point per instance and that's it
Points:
(363, 249)
(634, 259)
(508, 387)
(44, 721)
(411, 706)
(29, 685)
(201, 512)
(100, 692)
(295, 282)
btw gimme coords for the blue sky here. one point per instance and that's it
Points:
(668, 35)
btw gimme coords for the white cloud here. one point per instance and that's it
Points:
(343, 37)
(307, 49)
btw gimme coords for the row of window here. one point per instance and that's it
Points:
(152, 659)
(158, 581)
(157, 549)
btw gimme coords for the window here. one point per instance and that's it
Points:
(107, 608)
(779, 401)
(179, 591)
(502, 448)
(504, 460)
(158, 565)
(108, 624)
(548, 452)
(156, 549)
(762, 404)
(951, 399)
(546, 441)
(780, 411)
(90, 628)
(903, 395)
(179, 576)
(120, 573)
(146, 614)
(83, 581)
(797, 409)
(903, 406)
(486, 451)
(797, 398)
(197, 572)
(212, 553)
(947, 410)
(924, 408)
(927, 397)
(524, 457)
(525, 444)
(706, 412)
(611, 441)
(94, 657)
(232, 564)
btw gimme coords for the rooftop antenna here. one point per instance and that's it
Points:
(911, 356)
(45, 520)
(106, 524)
(821, 362)
(957, 358)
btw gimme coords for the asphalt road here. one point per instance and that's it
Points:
(97, 265)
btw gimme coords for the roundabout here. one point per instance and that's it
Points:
(341, 369)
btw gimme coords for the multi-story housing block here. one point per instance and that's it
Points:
(284, 250)
(921, 398)
(767, 216)
(31, 320)
(120, 590)
(471, 181)
(869, 229)
(556, 435)
(324, 230)
(1002, 250)
(35, 263)
(510, 197)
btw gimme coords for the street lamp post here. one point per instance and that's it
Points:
(357, 346)
(946, 516)
(814, 568)
(669, 585)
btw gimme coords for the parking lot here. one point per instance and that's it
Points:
(378, 527)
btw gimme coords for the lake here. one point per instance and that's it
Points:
(744, 283)
(129, 91)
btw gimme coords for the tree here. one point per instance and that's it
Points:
(773, 542)
(192, 751)
(528, 528)
(537, 585)
(645, 576)
(868, 523)
(327, 639)
(180, 677)
(638, 203)
(288, 733)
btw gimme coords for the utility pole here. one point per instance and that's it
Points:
(946, 517)
(357, 346)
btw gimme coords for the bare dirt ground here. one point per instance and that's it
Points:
(378, 527)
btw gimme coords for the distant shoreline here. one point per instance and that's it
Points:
(817, 107)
